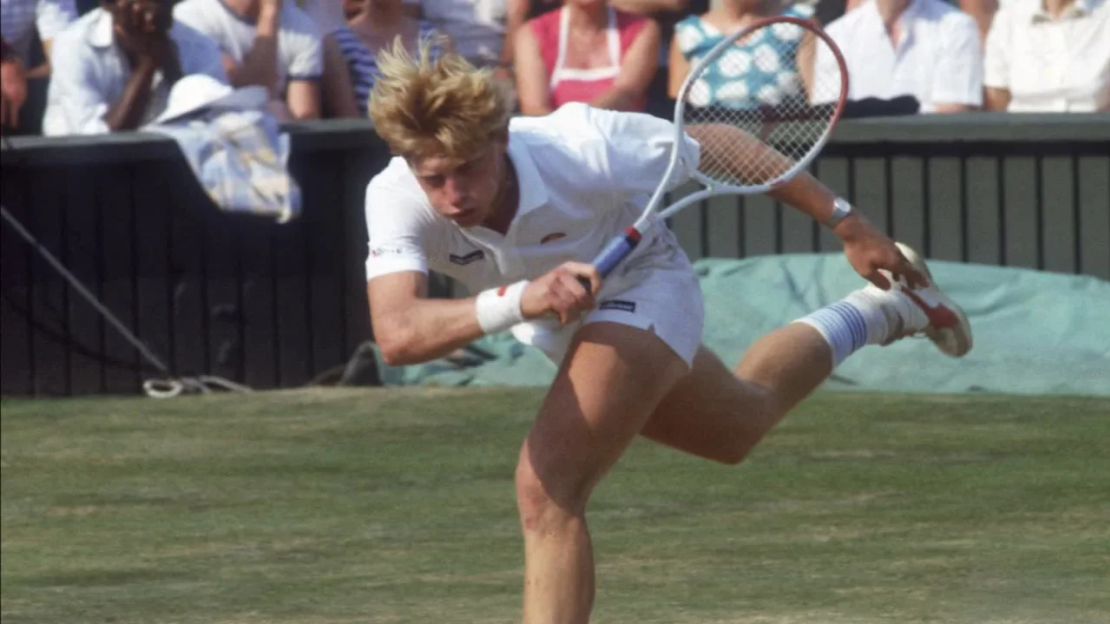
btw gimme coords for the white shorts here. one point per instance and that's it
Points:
(656, 291)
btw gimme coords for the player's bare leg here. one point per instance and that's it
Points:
(721, 415)
(611, 381)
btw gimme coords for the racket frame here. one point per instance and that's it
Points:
(621, 246)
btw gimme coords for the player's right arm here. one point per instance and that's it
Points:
(410, 328)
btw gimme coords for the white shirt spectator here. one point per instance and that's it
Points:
(938, 58)
(1048, 65)
(300, 41)
(476, 27)
(90, 72)
(20, 18)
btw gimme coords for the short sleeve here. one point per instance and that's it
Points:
(996, 59)
(53, 16)
(191, 13)
(74, 102)
(306, 61)
(959, 71)
(398, 228)
(688, 35)
(639, 147)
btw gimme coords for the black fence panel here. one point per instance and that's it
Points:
(277, 305)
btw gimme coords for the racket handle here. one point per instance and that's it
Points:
(617, 250)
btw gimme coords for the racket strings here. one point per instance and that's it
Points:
(762, 105)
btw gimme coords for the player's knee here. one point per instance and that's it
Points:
(751, 429)
(543, 503)
(734, 452)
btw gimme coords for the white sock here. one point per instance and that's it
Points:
(867, 316)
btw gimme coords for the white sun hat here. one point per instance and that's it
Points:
(200, 91)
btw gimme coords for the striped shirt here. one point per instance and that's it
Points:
(363, 64)
(20, 18)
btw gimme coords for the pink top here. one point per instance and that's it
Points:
(568, 84)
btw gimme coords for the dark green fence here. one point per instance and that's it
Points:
(276, 305)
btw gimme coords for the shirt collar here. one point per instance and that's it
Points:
(533, 193)
(909, 12)
(1038, 14)
(912, 9)
(102, 34)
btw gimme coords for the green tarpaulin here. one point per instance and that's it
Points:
(1035, 332)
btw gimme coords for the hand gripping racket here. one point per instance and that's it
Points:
(761, 108)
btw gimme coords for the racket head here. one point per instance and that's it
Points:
(762, 87)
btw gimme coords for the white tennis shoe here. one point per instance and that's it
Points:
(930, 311)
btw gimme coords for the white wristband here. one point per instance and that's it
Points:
(498, 309)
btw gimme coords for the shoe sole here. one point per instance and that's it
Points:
(948, 327)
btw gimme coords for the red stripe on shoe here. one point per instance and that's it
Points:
(939, 316)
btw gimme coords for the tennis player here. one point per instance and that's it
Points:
(516, 209)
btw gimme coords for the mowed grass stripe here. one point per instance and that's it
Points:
(338, 506)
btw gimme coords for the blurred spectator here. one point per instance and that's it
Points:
(328, 14)
(588, 52)
(476, 27)
(113, 68)
(337, 94)
(373, 29)
(696, 35)
(518, 13)
(924, 48)
(1049, 55)
(666, 13)
(20, 19)
(267, 43)
(13, 87)
(982, 11)
(22, 24)
(352, 8)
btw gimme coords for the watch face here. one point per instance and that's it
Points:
(841, 209)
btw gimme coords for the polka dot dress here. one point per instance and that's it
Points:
(759, 71)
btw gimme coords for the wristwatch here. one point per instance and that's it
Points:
(841, 208)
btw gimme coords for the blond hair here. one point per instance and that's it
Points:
(444, 107)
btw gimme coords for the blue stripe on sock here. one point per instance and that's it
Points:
(844, 327)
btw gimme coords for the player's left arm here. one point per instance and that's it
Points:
(638, 67)
(867, 248)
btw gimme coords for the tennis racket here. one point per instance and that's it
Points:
(761, 109)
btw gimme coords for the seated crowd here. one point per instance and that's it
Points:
(108, 65)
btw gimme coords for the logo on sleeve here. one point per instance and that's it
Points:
(617, 304)
(554, 236)
(383, 250)
(466, 259)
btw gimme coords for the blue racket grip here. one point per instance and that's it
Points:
(617, 250)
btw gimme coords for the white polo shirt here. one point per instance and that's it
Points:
(20, 18)
(937, 60)
(89, 73)
(1051, 65)
(584, 176)
(300, 47)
